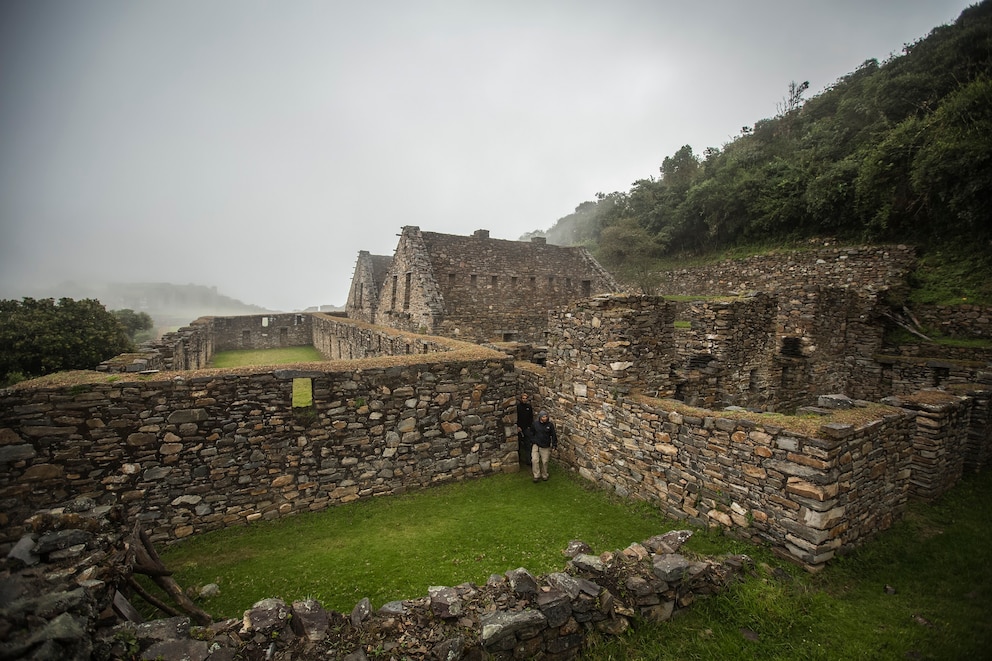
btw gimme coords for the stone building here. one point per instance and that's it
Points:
(474, 287)
(366, 283)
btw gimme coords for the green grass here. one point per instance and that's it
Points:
(280, 356)
(953, 274)
(395, 548)
(938, 559)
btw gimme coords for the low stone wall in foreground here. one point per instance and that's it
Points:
(61, 583)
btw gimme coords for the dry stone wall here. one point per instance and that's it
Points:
(940, 440)
(726, 358)
(501, 290)
(480, 289)
(337, 338)
(962, 321)
(187, 453)
(874, 268)
(267, 331)
(64, 578)
(189, 348)
(806, 495)
(901, 375)
(611, 344)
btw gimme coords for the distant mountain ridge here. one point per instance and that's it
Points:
(169, 305)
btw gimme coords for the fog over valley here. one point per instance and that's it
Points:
(244, 153)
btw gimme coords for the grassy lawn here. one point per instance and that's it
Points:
(920, 590)
(279, 356)
(936, 564)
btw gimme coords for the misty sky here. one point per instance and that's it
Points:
(257, 146)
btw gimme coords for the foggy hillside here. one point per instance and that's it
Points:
(169, 305)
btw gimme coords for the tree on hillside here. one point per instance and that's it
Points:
(42, 336)
(137, 324)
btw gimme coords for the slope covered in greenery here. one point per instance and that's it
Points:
(898, 151)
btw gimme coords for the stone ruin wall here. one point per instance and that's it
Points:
(410, 299)
(189, 348)
(191, 452)
(78, 560)
(480, 289)
(339, 338)
(260, 332)
(875, 268)
(193, 347)
(515, 286)
(726, 357)
(829, 325)
(221, 447)
(807, 496)
(962, 321)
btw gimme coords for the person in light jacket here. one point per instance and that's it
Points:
(544, 438)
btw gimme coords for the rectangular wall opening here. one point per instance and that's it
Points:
(302, 393)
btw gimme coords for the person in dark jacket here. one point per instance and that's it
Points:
(525, 421)
(545, 439)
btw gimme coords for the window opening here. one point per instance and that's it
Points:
(406, 291)
(700, 361)
(792, 347)
(302, 393)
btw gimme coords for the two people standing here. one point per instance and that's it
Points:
(535, 438)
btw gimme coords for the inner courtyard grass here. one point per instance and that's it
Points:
(918, 591)
(396, 547)
(279, 356)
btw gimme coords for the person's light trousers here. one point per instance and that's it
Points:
(539, 458)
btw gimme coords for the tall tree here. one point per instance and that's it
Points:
(40, 336)
(137, 324)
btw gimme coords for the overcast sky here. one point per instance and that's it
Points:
(257, 146)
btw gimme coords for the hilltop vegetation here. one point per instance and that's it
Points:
(898, 151)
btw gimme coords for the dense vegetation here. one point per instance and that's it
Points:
(42, 336)
(899, 151)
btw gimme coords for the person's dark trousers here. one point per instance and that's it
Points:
(523, 449)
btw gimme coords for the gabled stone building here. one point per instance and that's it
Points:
(474, 287)
(366, 283)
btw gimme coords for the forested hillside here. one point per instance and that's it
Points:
(898, 151)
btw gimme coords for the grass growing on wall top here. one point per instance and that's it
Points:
(918, 591)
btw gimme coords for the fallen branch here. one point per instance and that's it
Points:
(152, 599)
(905, 326)
(147, 558)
